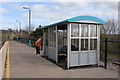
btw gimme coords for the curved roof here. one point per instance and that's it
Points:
(86, 19)
(81, 19)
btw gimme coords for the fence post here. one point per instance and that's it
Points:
(106, 49)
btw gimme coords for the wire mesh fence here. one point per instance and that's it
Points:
(110, 54)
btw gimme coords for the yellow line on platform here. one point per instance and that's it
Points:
(8, 62)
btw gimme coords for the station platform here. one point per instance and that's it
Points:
(24, 63)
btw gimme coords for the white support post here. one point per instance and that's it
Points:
(56, 44)
(98, 44)
(68, 45)
(88, 43)
(79, 44)
(44, 41)
(48, 42)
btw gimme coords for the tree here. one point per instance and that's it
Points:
(111, 30)
(27, 28)
(111, 27)
(37, 33)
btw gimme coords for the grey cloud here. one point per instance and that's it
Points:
(63, 10)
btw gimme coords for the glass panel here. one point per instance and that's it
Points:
(93, 31)
(74, 30)
(84, 44)
(46, 34)
(84, 30)
(60, 38)
(93, 44)
(74, 44)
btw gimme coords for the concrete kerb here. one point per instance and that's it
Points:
(3, 52)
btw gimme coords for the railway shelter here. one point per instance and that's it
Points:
(73, 42)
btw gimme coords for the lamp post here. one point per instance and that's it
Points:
(29, 22)
(16, 32)
(19, 24)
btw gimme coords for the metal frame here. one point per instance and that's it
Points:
(69, 52)
(44, 41)
(68, 43)
(79, 43)
(98, 44)
(56, 44)
(89, 38)
(48, 42)
(52, 43)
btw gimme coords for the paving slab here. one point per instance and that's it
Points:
(25, 64)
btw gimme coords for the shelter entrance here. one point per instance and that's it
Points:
(62, 45)
(55, 44)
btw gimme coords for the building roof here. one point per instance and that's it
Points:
(80, 19)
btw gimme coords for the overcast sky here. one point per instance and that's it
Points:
(44, 13)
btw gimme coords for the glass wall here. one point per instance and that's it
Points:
(93, 44)
(84, 44)
(52, 43)
(93, 31)
(75, 37)
(74, 30)
(88, 39)
(84, 30)
(86, 35)
(74, 44)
